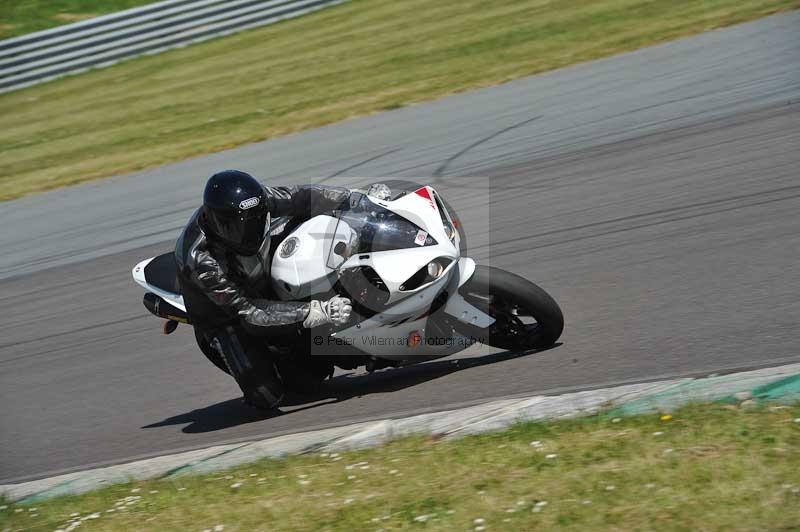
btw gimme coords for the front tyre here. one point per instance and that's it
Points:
(526, 317)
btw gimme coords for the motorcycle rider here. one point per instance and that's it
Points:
(223, 267)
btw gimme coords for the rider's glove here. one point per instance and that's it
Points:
(336, 311)
(379, 191)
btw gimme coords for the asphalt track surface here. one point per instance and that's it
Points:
(655, 194)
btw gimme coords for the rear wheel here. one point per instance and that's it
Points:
(210, 354)
(526, 317)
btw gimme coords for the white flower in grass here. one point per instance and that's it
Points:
(536, 443)
(479, 521)
(74, 514)
(136, 490)
(304, 482)
(236, 485)
(616, 420)
(551, 456)
(153, 491)
(253, 474)
(480, 528)
(587, 501)
(521, 503)
(219, 528)
(302, 476)
(393, 472)
(181, 489)
(797, 420)
(610, 487)
(364, 467)
(422, 518)
(351, 477)
(348, 501)
(94, 516)
(658, 433)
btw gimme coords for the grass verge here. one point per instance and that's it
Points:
(18, 17)
(352, 59)
(709, 467)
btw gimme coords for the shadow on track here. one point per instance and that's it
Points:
(234, 412)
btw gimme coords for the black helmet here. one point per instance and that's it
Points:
(235, 211)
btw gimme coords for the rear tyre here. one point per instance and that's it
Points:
(210, 354)
(526, 316)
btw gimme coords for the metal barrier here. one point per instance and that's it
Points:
(103, 41)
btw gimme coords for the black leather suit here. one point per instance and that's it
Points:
(226, 295)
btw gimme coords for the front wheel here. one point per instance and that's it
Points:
(526, 317)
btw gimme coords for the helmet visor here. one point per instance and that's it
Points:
(243, 231)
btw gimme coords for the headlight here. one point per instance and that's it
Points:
(432, 271)
(435, 269)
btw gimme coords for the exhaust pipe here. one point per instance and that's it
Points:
(160, 307)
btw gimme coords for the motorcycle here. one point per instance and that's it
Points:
(398, 257)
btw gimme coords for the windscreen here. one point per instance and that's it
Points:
(366, 227)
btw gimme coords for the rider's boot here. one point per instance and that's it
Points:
(254, 372)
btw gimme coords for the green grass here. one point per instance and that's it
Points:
(358, 58)
(708, 468)
(18, 17)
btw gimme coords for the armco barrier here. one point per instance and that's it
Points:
(106, 40)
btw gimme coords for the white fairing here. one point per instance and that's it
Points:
(301, 270)
(138, 276)
(310, 267)
(458, 307)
